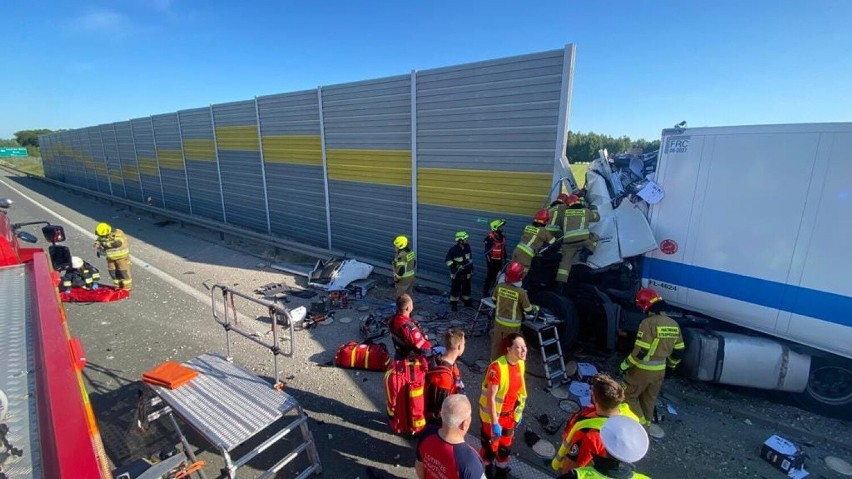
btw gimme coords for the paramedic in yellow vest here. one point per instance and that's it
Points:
(659, 344)
(115, 246)
(403, 267)
(574, 226)
(581, 441)
(625, 442)
(501, 406)
(511, 302)
(535, 236)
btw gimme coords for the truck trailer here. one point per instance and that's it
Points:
(747, 239)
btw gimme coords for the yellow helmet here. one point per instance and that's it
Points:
(400, 242)
(103, 229)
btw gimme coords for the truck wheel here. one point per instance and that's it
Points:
(829, 387)
(564, 309)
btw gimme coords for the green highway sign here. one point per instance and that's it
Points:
(8, 152)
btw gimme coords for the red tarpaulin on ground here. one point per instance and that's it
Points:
(104, 294)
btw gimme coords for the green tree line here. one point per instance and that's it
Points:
(583, 147)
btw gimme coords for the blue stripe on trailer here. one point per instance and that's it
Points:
(830, 307)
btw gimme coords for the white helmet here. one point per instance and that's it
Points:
(76, 262)
(624, 439)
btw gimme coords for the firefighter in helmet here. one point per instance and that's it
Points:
(570, 222)
(495, 254)
(659, 345)
(114, 245)
(460, 261)
(511, 303)
(81, 275)
(535, 236)
(404, 263)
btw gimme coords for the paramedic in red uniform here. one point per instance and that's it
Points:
(501, 405)
(444, 379)
(408, 338)
(495, 255)
(442, 453)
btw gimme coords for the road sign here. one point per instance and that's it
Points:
(8, 152)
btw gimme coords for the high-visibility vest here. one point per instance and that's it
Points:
(404, 259)
(508, 304)
(502, 389)
(592, 473)
(498, 247)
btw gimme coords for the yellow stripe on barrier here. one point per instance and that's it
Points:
(199, 149)
(293, 149)
(148, 166)
(384, 167)
(512, 192)
(240, 138)
(170, 159)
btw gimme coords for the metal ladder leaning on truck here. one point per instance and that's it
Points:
(749, 245)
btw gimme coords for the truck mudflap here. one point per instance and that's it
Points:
(737, 359)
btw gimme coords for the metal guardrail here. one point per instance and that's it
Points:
(230, 321)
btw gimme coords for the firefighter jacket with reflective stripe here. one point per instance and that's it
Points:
(495, 246)
(502, 390)
(592, 473)
(658, 342)
(404, 263)
(557, 217)
(510, 303)
(533, 238)
(459, 259)
(575, 224)
(115, 245)
(84, 276)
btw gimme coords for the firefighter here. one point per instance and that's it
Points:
(659, 345)
(115, 246)
(460, 261)
(403, 267)
(444, 378)
(501, 405)
(534, 237)
(495, 255)
(625, 442)
(575, 234)
(408, 339)
(557, 214)
(581, 441)
(443, 453)
(511, 303)
(81, 274)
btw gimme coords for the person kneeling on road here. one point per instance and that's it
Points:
(501, 406)
(442, 453)
(408, 339)
(581, 441)
(626, 442)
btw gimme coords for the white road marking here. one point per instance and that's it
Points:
(136, 259)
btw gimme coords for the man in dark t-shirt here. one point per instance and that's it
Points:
(442, 452)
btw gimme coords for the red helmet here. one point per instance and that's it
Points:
(542, 216)
(645, 297)
(571, 200)
(514, 272)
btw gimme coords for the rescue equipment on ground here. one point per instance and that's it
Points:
(405, 382)
(367, 356)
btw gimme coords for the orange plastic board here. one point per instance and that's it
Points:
(169, 374)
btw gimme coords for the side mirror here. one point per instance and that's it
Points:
(25, 236)
(5, 203)
(53, 233)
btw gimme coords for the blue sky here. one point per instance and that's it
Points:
(640, 66)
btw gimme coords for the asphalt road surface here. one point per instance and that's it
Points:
(717, 431)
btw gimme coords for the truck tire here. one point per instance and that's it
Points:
(563, 308)
(829, 389)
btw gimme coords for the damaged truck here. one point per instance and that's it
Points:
(745, 231)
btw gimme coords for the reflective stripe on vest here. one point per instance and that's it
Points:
(502, 389)
(647, 364)
(407, 262)
(505, 294)
(592, 473)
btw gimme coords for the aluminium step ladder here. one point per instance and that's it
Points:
(551, 348)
